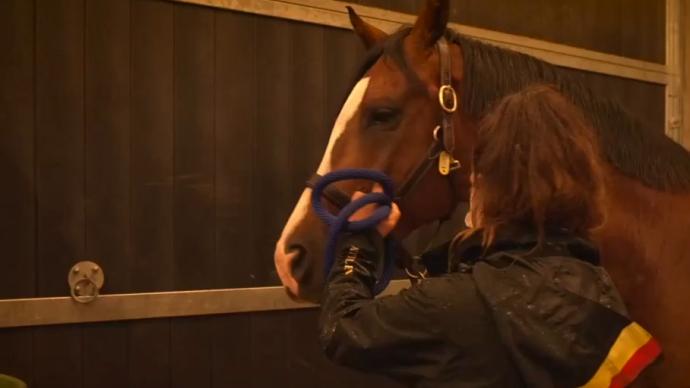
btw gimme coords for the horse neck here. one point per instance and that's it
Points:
(645, 239)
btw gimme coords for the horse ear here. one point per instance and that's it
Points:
(369, 34)
(431, 23)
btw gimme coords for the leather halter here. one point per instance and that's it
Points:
(440, 151)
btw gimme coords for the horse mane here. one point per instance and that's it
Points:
(492, 72)
(637, 151)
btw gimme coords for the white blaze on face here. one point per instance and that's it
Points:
(346, 113)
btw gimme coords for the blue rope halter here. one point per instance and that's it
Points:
(340, 223)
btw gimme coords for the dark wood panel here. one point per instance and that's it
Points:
(643, 29)
(231, 348)
(271, 161)
(107, 80)
(191, 352)
(151, 146)
(17, 280)
(194, 150)
(269, 338)
(591, 24)
(16, 358)
(236, 112)
(149, 353)
(632, 28)
(105, 355)
(58, 361)
(59, 178)
(17, 198)
(59, 141)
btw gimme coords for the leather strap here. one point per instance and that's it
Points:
(339, 198)
(447, 97)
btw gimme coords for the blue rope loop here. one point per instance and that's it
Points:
(340, 223)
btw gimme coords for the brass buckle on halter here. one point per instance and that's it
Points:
(447, 163)
(442, 92)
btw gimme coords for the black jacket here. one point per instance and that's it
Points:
(503, 318)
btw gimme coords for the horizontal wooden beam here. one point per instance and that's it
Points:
(120, 307)
(333, 13)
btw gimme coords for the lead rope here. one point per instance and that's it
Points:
(340, 223)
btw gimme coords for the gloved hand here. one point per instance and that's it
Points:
(386, 225)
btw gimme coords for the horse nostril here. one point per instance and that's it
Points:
(299, 265)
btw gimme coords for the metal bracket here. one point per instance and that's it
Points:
(85, 280)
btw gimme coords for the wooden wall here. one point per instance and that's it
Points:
(166, 142)
(169, 142)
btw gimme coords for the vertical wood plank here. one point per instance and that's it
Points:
(107, 91)
(17, 224)
(194, 208)
(107, 180)
(235, 124)
(57, 357)
(308, 113)
(17, 199)
(231, 347)
(149, 353)
(151, 191)
(268, 350)
(191, 352)
(59, 141)
(194, 192)
(59, 179)
(105, 355)
(271, 157)
(643, 30)
(151, 222)
(16, 358)
(604, 31)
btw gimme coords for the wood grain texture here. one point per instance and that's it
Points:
(236, 111)
(272, 160)
(17, 200)
(194, 148)
(105, 354)
(148, 353)
(107, 142)
(151, 146)
(191, 352)
(60, 231)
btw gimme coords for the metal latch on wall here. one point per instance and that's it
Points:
(85, 281)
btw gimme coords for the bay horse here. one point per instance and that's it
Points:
(387, 123)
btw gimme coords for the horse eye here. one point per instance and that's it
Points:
(382, 117)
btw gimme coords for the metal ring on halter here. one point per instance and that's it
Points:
(435, 133)
(442, 100)
(84, 298)
(419, 275)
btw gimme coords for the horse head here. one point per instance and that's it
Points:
(390, 123)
